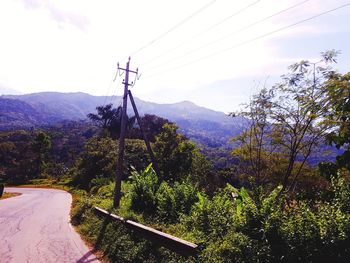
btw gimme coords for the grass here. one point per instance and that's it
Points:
(9, 195)
(107, 236)
(45, 183)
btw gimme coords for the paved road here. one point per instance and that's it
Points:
(34, 227)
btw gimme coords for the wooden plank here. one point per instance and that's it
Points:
(106, 213)
(173, 243)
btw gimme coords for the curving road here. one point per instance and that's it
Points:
(34, 227)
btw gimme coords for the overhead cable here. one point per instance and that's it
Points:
(230, 34)
(173, 28)
(250, 40)
(204, 31)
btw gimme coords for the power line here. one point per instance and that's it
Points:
(117, 73)
(204, 31)
(172, 28)
(251, 40)
(231, 34)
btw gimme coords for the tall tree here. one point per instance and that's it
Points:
(105, 115)
(287, 120)
(174, 153)
(254, 144)
(297, 114)
(110, 119)
(152, 126)
(336, 104)
(41, 147)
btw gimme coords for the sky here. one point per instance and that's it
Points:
(215, 53)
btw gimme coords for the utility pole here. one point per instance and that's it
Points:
(119, 172)
(148, 145)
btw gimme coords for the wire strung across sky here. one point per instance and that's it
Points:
(230, 34)
(203, 32)
(182, 22)
(248, 41)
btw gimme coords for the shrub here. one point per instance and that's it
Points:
(234, 247)
(99, 182)
(144, 188)
(166, 203)
(211, 219)
(175, 201)
(78, 212)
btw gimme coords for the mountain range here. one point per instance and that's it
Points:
(203, 125)
(208, 128)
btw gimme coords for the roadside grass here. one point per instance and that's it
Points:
(9, 195)
(46, 183)
(112, 239)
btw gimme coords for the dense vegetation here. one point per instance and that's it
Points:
(267, 203)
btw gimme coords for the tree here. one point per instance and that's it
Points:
(152, 126)
(41, 147)
(173, 152)
(336, 104)
(255, 149)
(98, 160)
(285, 121)
(110, 119)
(296, 113)
(104, 115)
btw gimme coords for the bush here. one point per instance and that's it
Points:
(211, 219)
(172, 202)
(144, 188)
(234, 247)
(97, 183)
(78, 212)
(114, 240)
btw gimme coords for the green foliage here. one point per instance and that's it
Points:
(202, 172)
(97, 183)
(97, 161)
(211, 218)
(234, 247)
(286, 121)
(109, 119)
(174, 153)
(162, 200)
(136, 156)
(235, 225)
(341, 191)
(336, 105)
(117, 243)
(79, 210)
(172, 202)
(328, 170)
(152, 125)
(145, 186)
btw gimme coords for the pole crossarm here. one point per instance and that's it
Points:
(136, 72)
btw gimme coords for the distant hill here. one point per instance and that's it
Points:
(198, 123)
(209, 128)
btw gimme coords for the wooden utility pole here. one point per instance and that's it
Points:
(148, 145)
(119, 172)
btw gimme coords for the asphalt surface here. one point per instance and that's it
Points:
(34, 227)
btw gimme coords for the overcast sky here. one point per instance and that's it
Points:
(178, 46)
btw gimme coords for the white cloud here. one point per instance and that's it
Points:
(61, 16)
